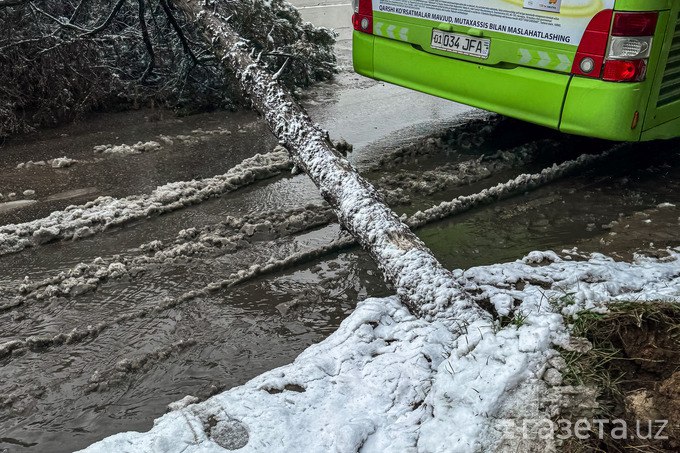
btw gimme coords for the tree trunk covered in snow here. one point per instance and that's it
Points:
(420, 280)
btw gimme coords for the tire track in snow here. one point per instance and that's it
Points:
(398, 185)
(522, 183)
(227, 237)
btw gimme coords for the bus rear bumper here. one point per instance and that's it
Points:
(604, 109)
(518, 92)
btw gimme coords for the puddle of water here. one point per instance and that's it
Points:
(576, 211)
(12, 205)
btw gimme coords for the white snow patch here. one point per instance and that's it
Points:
(184, 402)
(62, 162)
(196, 136)
(388, 381)
(31, 164)
(124, 150)
(59, 162)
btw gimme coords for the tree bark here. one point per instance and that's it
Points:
(422, 283)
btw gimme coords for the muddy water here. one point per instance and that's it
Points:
(611, 208)
(62, 404)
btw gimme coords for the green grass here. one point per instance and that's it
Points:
(608, 364)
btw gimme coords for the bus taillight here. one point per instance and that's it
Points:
(616, 46)
(591, 52)
(624, 70)
(362, 19)
(630, 46)
(635, 24)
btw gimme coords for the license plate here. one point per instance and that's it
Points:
(460, 44)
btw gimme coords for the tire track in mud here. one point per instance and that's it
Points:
(234, 234)
(457, 206)
(399, 185)
(522, 183)
(227, 237)
(472, 132)
(77, 222)
(18, 396)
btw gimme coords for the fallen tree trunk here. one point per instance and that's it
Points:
(419, 279)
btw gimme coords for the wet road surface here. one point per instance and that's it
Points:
(151, 344)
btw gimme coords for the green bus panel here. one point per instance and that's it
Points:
(664, 99)
(519, 92)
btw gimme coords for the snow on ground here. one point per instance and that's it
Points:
(105, 212)
(197, 136)
(125, 150)
(59, 162)
(28, 193)
(389, 381)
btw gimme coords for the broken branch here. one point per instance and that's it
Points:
(147, 41)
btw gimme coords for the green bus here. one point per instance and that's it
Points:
(600, 68)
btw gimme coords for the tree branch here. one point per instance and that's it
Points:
(179, 31)
(60, 22)
(107, 22)
(76, 11)
(70, 25)
(147, 41)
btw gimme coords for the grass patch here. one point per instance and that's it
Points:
(635, 357)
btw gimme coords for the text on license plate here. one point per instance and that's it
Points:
(461, 44)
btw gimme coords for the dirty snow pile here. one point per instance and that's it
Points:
(58, 162)
(125, 150)
(389, 381)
